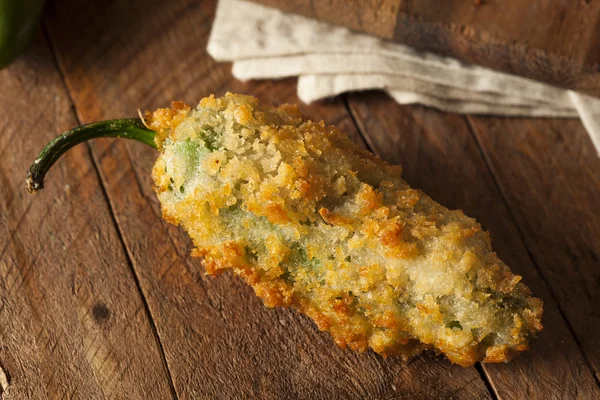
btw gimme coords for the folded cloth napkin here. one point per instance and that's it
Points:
(266, 43)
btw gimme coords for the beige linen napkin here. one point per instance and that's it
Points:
(266, 43)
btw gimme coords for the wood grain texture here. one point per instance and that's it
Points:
(556, 41)
(441, 156)
(72, 321)
(377, 17)
(563, 27)
(549, 174)
(219, 340)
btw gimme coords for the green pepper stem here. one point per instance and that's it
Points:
(132, 128)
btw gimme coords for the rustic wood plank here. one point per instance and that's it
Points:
(549, 174)
(219, 340)
(72, 321)
(440, 156)
(564, 49)
(377, 17)
(564, 20)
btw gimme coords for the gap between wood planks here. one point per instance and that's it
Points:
(501, 189)
(113, 219)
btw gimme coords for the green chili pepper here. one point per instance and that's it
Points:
(385, 267)
(18, 22)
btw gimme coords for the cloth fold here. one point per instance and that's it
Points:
(266, 43)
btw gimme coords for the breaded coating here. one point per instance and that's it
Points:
(312, 221)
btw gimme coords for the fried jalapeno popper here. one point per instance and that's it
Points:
(312, 221)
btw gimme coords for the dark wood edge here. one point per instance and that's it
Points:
(468, 45)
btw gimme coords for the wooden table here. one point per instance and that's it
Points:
(99, 297)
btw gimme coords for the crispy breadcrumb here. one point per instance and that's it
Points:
(312, 221)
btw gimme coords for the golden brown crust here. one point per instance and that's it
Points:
(312, 221)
